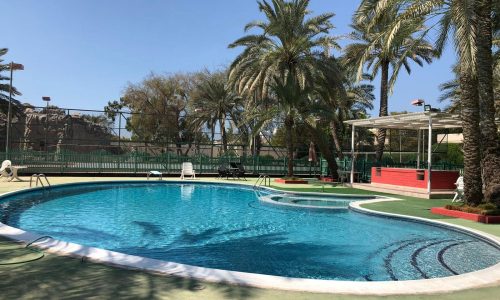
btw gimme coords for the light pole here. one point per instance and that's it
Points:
(46, 99)
(12, 66)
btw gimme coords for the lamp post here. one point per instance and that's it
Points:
(12, 66)
(46, 99)
(427, 108)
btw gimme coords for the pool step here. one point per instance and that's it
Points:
(413, 258)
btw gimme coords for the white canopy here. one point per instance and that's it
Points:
(414, 121)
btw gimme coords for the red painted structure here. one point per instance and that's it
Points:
(465, 215)
(440, 180)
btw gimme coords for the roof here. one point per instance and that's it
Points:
(414, 121)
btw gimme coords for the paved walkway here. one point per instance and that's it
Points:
(54, 277)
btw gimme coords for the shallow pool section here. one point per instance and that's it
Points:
(228, 227)
(307, 200)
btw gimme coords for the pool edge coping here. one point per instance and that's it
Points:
(481, 278)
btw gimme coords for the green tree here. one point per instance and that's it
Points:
(281, 60)
(158, 107)
(387, 53)
(5, 85)
(214, 103)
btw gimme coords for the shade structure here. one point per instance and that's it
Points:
(427, 120)
(411, 121)
(312, 153)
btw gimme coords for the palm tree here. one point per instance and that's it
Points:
(371, 49)
(333, 102)
(469, 20)
(349, 100)
(214, 102)
(5, 87)
(283, 57)
(489, 131)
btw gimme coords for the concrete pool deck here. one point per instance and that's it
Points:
(14, 186)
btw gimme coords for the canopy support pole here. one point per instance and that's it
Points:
(352, 155)
(429, 156)
(418, 149)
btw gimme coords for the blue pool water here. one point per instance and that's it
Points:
(227, 227)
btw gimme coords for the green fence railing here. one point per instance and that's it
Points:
(138, 162)
(169, 163)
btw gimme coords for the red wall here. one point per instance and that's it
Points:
(442, 180)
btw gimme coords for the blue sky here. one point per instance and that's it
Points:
(83, 53)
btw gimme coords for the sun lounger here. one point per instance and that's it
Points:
(7, 170)
(238, 170)
(155, 173)
(187, 170)
(459, 191)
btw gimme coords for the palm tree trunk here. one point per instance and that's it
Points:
(336, 141)
(289, 143)
(222, 123)
(384, 87)
(473, 193)
(258, 145)
(212, 132)
(320, 139)
(489, 135)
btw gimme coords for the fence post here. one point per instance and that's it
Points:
(135, 162)
(284, 166)
(168, 162)
(100, 162)
(364, 170)
(200, 162)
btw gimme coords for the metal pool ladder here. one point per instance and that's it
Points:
(263, 179)
(38, 178)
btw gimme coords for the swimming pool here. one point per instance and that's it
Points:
(227, 227)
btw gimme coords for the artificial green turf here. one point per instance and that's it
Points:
(410, 206)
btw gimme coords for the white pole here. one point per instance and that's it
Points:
(400, 147)
(423, 145)
(429, 155)
(8, 113)
(352, 155)
(418, 149)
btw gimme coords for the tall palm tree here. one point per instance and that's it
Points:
(489, 130)
(371, 49)
(283, 57)
(469, 21)
(214, 102)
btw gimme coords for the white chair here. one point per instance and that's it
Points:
(6, 169)
(187, 170)
(459, 191)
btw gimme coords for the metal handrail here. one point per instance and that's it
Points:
(263, 179)
(39, 179)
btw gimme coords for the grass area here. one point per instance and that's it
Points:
(64, 277)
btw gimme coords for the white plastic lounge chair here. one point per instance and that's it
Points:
(6, 169)
(459, 191)
(187, 170)
(155, 173)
